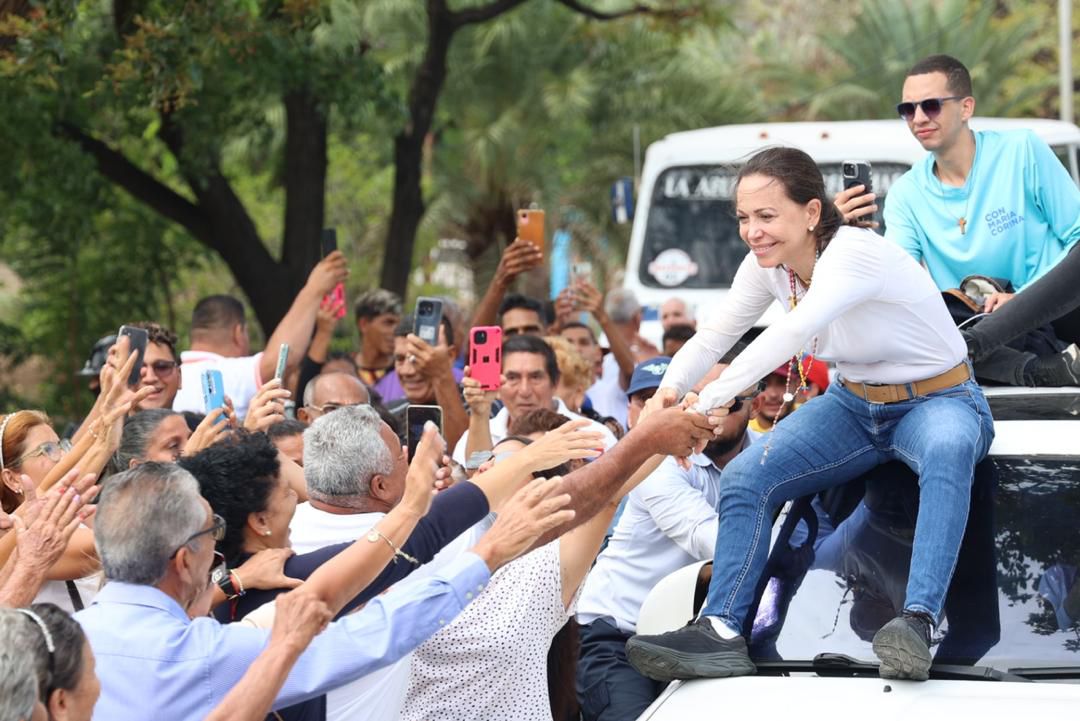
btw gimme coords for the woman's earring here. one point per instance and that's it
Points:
(267, 533)
(811, 228)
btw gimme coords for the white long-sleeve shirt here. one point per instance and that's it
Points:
(876, 314)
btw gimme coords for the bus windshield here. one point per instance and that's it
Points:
(691, 235)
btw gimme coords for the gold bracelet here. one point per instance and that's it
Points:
(239, 583)
(375, 534)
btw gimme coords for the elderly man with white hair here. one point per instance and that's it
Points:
(159, 656)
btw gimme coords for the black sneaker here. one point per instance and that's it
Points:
(694, 651)
(1060, 369)
(903, 645)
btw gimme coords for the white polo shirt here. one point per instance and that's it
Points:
(241, 376)
(670, 521)
(501, 422)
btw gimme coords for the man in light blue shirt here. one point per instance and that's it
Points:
(155, 535)
(998, 204)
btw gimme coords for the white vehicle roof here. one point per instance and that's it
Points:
(828, 141)
(809, 698)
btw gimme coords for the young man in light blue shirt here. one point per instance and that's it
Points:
(998, 204)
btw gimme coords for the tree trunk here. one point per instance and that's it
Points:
(408, 205)
(305, 181)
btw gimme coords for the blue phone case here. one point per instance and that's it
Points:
(213, 389)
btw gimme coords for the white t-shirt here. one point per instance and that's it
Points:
(501, 422)
(875, 311)
(242, 379)
(490, 662)
(669, 522)
(377, 696)
(607, 396)
(56, 592)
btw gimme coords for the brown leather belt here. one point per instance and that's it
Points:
(905, 391)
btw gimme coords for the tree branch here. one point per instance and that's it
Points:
(483, 13)
(114, 166)
(639, 9)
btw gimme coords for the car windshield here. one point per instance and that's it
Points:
(1014, 601)
(691, 235)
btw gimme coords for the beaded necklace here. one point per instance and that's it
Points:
(797, 360)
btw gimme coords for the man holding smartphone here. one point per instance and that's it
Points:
(1000, 198)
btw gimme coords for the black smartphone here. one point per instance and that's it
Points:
(427, 319)
(857, 172)
(329, 241)
(415, 419)
(137, 340)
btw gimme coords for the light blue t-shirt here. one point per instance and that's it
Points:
(1021, 206)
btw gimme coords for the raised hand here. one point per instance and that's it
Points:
(430, 361)
(567, 442)
(519, 256)
(267, 407)
(326, 318)
(329, 271)
(426, 470)
(266, 570)
(208, 432)
(44, 525)
(855, 206)
(477, 399)
(530, 513)
(588, 297)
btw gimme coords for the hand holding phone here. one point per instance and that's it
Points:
(857, 210)
(485, 356)
(137, 340)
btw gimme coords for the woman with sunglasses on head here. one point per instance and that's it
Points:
(906, 393)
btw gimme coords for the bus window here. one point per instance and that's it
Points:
(691, 235)
(1069, 155)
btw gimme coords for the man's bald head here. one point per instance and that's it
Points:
(330, 391)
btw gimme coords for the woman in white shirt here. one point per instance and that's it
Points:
(907, 394)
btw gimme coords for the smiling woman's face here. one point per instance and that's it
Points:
(773, 226)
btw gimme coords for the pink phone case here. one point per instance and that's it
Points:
(485, 358)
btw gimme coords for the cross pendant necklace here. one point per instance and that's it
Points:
(962, 220)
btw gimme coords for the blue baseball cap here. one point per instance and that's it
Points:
(648, 374)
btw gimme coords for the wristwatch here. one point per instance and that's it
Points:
(223, 578)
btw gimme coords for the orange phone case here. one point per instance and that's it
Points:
(530, 224)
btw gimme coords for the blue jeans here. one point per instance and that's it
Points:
(833, 439)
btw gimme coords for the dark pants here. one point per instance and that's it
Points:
(608, 687)
(1053, 299)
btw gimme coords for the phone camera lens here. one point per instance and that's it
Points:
(425, 308)
(849, 169)
(481, 336)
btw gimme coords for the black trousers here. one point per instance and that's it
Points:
(1053, 299)
(608, 687)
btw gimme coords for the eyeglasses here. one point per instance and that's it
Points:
(163, 368)
(331, 407)
(53, 450)
(216, 531)
(931, 107)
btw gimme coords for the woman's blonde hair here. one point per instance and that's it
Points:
(574, 371)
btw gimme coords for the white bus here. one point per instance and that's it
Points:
(685, 240)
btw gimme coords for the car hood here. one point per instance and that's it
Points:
(813, 698)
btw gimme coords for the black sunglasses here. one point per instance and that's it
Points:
(747, 396)
(931, 107)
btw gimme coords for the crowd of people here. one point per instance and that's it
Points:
(285, 556)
